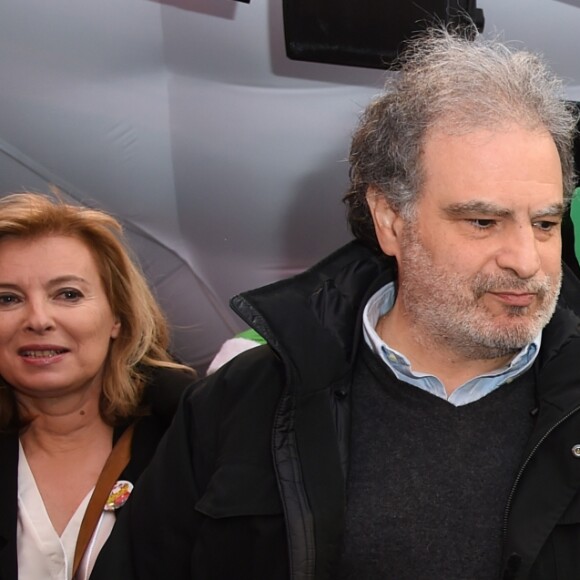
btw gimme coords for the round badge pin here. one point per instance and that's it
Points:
(119, 495)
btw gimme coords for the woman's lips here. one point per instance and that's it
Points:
(42, 355)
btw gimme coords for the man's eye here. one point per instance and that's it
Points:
(546, 226)
(481, 223)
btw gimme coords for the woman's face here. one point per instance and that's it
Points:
(56, 324)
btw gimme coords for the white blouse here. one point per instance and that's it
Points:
(41, 552)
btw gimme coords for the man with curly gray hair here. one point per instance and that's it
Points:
(415, 413)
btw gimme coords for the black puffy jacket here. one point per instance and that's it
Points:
(249, 484)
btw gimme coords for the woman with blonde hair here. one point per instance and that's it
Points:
(87, 386)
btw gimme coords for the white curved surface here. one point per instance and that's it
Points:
(224, 159)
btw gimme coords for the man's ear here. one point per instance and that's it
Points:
(388, 223)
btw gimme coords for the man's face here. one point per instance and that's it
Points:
(479, 265)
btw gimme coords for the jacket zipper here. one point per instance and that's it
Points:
(525, 463)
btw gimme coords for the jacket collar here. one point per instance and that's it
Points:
(321, 308)
(556, 368)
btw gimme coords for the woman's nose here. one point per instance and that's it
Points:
(38, 318)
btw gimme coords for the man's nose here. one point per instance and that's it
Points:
(520, 252)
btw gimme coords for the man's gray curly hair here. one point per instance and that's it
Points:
(458, 82)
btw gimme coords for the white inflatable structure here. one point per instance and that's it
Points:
(224, 159)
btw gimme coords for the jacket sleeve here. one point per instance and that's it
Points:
(208, 504)
(153, 532)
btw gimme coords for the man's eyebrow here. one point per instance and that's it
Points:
(483, 208)
(554, 210)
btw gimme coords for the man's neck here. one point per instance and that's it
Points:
(432, 356)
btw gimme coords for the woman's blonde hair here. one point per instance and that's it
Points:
(144, 334)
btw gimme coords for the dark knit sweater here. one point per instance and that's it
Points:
(428, 482)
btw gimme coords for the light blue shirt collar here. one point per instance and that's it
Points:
(382, 301)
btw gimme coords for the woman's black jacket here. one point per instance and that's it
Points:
(160, 399)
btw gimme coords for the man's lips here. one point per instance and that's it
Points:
(515, 298)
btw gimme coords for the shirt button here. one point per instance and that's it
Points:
(392, 357)
(576, 451)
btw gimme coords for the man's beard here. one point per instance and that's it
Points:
(448, 309)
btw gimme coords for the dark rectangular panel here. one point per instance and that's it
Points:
(364, 33)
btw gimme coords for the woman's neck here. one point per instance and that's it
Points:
(62, 425)
(66, 452)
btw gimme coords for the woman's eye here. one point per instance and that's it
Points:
(8, 299)
(70, 294)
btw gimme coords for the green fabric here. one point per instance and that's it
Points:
(575, 215)
(251, 334)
